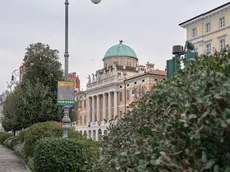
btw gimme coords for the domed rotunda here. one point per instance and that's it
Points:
(121, 55)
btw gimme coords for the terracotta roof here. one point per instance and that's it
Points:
(158, 72)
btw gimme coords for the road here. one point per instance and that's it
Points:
(10, 162)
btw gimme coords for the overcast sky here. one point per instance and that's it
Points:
(150, 27)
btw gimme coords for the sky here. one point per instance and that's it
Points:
(150, 27)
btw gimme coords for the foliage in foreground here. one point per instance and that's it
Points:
(25, 143)
(183, 124)
(44, 129)
(63, 155)
(4, 136)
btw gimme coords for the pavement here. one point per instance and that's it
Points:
(10, 162)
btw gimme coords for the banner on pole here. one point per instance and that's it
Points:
(66, 95)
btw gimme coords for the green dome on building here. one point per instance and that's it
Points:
(120, 50)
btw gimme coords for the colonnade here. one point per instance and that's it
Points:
(102, 107)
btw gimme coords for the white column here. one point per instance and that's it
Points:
(98, 108)
(96, 135)
(115, 103)
(109, 105)
(93, 109)
(89, 111)
(104, 107)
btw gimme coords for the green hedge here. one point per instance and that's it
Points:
(19, 149)
(22, 134)
(42, 130)
(4, 136)
(62, 155)
(11, 142)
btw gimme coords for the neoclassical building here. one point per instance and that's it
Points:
(111, 89)
(210, 30)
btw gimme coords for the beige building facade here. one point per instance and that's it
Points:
(209, 31)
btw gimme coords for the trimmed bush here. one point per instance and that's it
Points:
(22, 135)
(62, 155)
(30, 163)
(19, 149)
(11, 141)
(4, 136)
(42, 130)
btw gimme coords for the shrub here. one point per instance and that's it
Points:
(62, 155)
(30, 163)
(183, 124)
(4, 136)
(19, 150)
(8, 141)
(22, 135)
(42, 130)
(11, 141)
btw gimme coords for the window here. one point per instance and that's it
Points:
(120, 96)
(194, 32)
(208, 27)
(80, 118)
(85, 119)
(135, 82)
(222, 21)
(143, 80)
(128, 63)
(143, 90)
(196, 49)
(127, 95)
(120, 114)
(84, 104)
(80, 104)
(115, 62)
(105, 65)
(134, 93)
(208, 49)
(222, 44)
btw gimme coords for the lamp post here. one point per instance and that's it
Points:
(66, 120)
(13, 80)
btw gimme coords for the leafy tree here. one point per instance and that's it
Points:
(42, 65)
(37, 105)
(34, 100)
(183, 124)
(11, 110)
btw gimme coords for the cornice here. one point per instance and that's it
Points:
(204, 16)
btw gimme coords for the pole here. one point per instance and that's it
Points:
(125, 90)
(66, 120)
(66, 55)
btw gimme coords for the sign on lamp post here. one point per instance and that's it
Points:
(66, 95)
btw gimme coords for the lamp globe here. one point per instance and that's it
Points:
(96, 1)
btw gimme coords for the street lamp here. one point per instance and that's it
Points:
(173, 64)
(13, 80)
(96, 1)
(66, 120)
